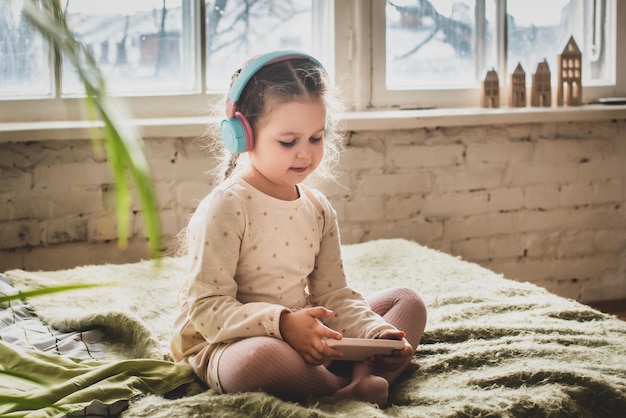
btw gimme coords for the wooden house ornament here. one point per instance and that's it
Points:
(517, 95)
(569, 89)
(491, 89)
(541, 88)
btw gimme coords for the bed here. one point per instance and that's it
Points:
(493, 347)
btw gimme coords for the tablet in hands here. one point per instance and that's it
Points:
(359, 349)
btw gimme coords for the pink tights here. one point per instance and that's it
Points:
(271, 365)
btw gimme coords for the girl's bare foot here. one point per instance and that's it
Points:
(373, 389)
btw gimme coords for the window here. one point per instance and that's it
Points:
(141, 47)
(24, 56)
(172, 58)
(149, 46)
(237, 29)
(166, 56)
(424, 47)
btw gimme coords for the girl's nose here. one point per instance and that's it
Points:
(304, 152)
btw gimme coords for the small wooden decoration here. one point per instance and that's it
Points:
(569, 89)
(517, 95)
(541, 89)
(491, 89)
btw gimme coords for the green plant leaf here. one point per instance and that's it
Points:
(123, 143)
(25, 403)
(49, 290)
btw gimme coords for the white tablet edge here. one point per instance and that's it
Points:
(357, 349)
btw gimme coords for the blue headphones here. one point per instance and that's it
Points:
(235, 129)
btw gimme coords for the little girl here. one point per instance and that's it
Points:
(265, 284)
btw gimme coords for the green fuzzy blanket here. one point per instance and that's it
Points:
(493, 347)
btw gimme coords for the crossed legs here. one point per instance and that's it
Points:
(271, 365)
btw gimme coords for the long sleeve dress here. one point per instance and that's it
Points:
(251, 257)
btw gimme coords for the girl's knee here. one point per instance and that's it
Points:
(411, 298)
(414, 308)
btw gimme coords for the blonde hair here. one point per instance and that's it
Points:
(281, 81)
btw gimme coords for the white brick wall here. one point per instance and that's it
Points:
(539, 202)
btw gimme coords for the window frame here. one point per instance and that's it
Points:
(364, 47)
(352, 46)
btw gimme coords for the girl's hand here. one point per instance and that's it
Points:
(397, 358)
(305, 333)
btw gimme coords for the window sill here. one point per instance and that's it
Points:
(353, 121)
(433, 118)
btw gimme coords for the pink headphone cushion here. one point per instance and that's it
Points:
(247, 129)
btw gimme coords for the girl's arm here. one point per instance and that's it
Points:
(214, 239)
(352, 316)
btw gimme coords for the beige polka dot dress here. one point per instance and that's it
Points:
(251, 257)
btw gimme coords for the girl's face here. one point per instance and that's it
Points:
(288, 146)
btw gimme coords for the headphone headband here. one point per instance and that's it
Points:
(253, 67)
(235, 129)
